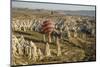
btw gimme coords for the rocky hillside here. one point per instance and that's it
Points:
(72, 40)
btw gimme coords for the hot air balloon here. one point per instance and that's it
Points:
(47, 28)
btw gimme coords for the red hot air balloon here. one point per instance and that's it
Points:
(47, 28)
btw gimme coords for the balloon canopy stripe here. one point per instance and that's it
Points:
(47, 26)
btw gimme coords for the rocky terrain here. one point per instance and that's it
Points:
(73, 38)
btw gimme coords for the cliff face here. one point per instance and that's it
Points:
(76, 35)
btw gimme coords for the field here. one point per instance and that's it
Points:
(72, 40)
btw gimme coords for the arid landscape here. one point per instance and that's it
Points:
(70, 37)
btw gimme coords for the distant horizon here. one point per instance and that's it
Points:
(51, 6)
(49, 9)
